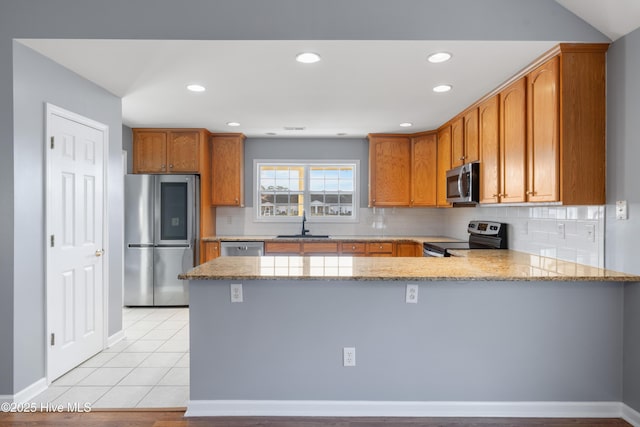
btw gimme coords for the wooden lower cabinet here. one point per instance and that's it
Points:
(209, 251)
(353, 248)
(320, 248)
(343, 248)
(282, 248)
(380, 249)
(408, 249)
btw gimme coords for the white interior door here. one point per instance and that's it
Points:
(75, 234)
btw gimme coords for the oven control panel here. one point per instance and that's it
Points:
(486, 228)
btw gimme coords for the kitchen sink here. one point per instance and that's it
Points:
(302, 236)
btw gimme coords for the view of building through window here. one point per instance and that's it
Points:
(321, 190)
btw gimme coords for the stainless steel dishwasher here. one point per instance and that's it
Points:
(242, 248)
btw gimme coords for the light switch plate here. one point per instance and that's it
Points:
(621, 210)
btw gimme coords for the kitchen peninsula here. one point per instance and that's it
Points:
(491, 333)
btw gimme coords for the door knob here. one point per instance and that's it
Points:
(99, 252)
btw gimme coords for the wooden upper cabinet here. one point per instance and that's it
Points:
(543, 133)
(489, 138)
(457, 142)
(149, 151)
(424, 159)
(471, 138)
(464, 138)
(183, 148)
(167, 150)
(227, 170)
(513, 142)
(389, 170)
(443, 165)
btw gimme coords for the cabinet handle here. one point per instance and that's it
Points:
(353, 247)
(531, 193)
(170, 166)
(163, 166)
(461, 158)
(236, 201)
(496, 195)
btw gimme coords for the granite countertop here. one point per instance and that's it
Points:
(478, 265)
(416, 239)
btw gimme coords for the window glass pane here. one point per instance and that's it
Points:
(282, 190)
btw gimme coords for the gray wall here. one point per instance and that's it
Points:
(623, 152)
(623, 176)
(229, 19)
(33, 75)
(127, 145)
(463, 341)
(306, 149)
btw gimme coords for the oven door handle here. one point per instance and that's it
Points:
(462, 171)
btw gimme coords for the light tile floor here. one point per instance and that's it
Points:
(147, 369)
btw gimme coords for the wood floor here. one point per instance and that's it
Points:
(139, 418)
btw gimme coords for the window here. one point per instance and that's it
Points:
(325, 191)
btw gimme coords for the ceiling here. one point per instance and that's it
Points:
(359, 87)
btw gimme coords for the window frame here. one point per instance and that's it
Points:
(306, 165)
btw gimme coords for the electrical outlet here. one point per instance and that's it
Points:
(591, 232)
(236, 292)
(560, 228)
(411, 294)
(349, 356)
(621, 210)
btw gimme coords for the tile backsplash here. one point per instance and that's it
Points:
(571, 233)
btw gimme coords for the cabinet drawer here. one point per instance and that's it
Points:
(320, 248)
(353, 248)
(282, 248)
(380, 248)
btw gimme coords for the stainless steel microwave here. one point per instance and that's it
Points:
(463, 184)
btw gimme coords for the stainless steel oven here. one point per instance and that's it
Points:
(482, 235)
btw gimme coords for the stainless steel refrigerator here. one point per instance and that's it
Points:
(161, 238)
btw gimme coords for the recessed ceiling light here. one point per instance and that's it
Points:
(271, 133)
(196, 88)
(442, 88)
(406, 125)
(439, 57)
(308, 57)
(341, 134)
(233, 124)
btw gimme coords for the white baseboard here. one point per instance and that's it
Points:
(630, 415)
(26, 393)
(285, 408)
(115, 338)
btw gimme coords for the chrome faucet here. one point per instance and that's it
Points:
(304, 219)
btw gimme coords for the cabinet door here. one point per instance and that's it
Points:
(408, 250)
(380, 249)
(182, 152)
(353, 248)
(282, 248)
(471, 138)
(320, 248)
(389, 171)
(457, 142)
(211, 251)
(543, 145)
(227, 164)
(444, 164)
(149, 152)
(489, 137)
(424, 158)
(513, 138)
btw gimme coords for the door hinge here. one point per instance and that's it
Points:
(52, 142)
(53, 339)
(52, 240)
